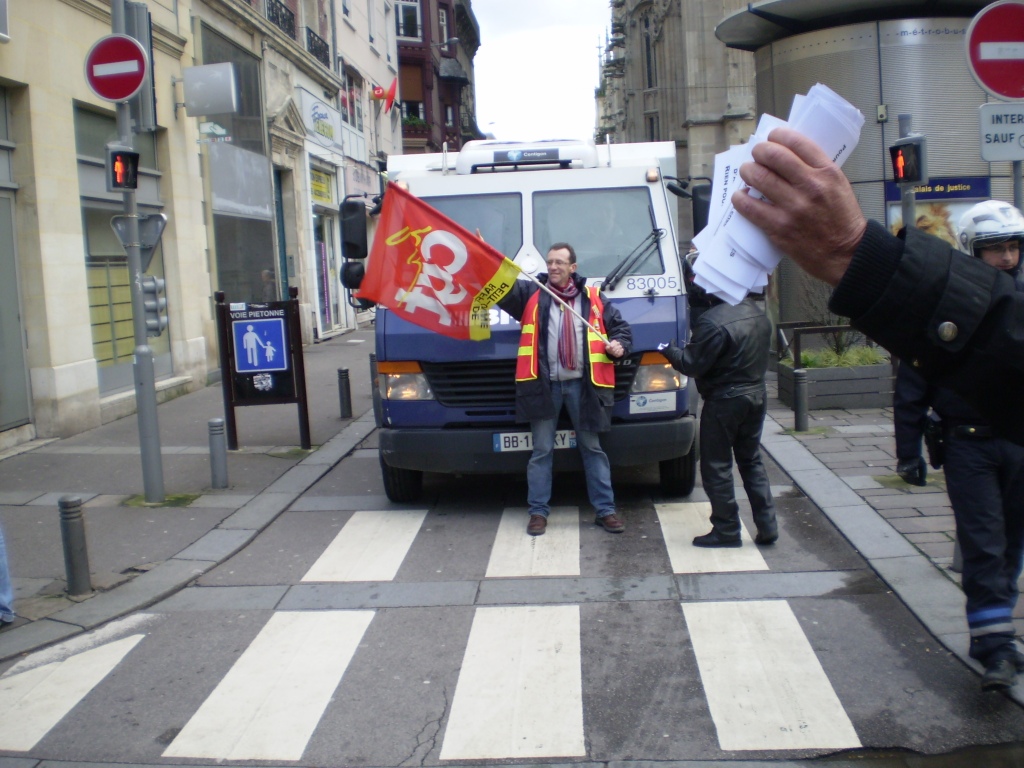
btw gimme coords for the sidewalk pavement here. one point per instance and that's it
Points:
(845, 463)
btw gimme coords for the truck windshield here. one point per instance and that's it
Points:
(602, 225)
(498, 217)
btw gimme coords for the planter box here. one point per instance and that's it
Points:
(861, 386)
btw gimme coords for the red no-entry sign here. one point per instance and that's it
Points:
(995, 49)
(115, 67)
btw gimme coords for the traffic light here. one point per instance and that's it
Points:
(122, 168)
(155, 304)
(909, 164)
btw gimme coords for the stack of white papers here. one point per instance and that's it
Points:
(735, 256)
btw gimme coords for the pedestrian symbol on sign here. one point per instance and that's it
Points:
(257, 343)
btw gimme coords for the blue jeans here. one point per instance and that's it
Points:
(595, 462)
(6, 590)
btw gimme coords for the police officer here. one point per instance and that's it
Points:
(728, 356)
(984, 473)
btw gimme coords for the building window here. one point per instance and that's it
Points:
(442, 19)
(449, 115)
(344, 8)
(413, 111)
(407, 19)
(653, 132)
(371, 19)
(389, 30)
(651, 73)
(351, 98)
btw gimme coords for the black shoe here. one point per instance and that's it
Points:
(715, 539)
(610, 523)
(1000, 675)
(766, 539)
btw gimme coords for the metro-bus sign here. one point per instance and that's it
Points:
(116, 67)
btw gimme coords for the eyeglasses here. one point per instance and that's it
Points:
(1010, 246)
(559, 263)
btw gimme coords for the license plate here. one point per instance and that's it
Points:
(523, 441)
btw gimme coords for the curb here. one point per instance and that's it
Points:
(229, 537)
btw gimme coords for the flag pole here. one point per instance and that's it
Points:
(566, 306)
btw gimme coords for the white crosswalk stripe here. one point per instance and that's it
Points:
(370, 547)
(521, 667)
(556, 553)
(764, 685)
(271, 700)
(680, 522)
(33, 702)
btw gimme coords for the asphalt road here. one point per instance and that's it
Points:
(355, 632)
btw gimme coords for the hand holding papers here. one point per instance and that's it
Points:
(735, 256)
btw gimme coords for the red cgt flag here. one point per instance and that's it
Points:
(434, 272)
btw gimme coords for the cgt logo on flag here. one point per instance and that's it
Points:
(432, 271)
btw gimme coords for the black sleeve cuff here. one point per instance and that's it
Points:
(873, 266)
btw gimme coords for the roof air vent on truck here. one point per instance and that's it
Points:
(478, 156)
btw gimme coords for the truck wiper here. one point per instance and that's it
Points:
(631, 259)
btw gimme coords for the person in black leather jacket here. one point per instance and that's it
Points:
(728, 356)
(984, 473)
(957, 320)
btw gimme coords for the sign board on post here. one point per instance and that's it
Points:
(1002, 132)
(995, 49)
(116, 67)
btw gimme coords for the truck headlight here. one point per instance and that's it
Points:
(656, 374)
(403, 381)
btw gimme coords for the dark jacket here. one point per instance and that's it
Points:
(728, 350)
(956, 320)
(533, 398)
(912, 397)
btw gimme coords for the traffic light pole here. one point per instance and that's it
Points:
(908, 202)
(144, 374)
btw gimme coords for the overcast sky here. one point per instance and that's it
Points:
(538, 66)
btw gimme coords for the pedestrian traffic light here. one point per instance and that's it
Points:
(909, 165)
(122, 168)
(155, 304)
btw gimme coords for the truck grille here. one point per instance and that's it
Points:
(492, 383)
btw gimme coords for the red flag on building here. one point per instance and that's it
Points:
(432, 271)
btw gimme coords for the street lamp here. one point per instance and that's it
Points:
(449, 41)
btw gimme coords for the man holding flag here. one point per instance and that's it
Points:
(568, 340)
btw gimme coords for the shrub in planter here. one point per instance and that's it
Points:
(860, 377)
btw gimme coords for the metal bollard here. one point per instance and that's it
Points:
(800, 400)
(218, 454)
(76, 555)
(344, 393)
(958, 559)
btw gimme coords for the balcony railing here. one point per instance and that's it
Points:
(279, 14)
(317, 46)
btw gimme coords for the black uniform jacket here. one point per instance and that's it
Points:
(728, 350)
(533, 398)
(956, 320)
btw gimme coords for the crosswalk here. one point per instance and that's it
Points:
(519, 684)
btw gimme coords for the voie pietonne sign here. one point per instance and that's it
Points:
(116, 67)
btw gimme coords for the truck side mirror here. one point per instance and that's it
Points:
(353, 229)
(701, 201)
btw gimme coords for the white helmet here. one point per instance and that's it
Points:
(989, 223)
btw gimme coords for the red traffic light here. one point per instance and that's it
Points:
(907, 162)
(122, 169)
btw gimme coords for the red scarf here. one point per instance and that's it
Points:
(567, 355)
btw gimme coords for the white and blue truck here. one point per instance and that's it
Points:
(448, 406)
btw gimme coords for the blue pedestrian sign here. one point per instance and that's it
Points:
(260, 345)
